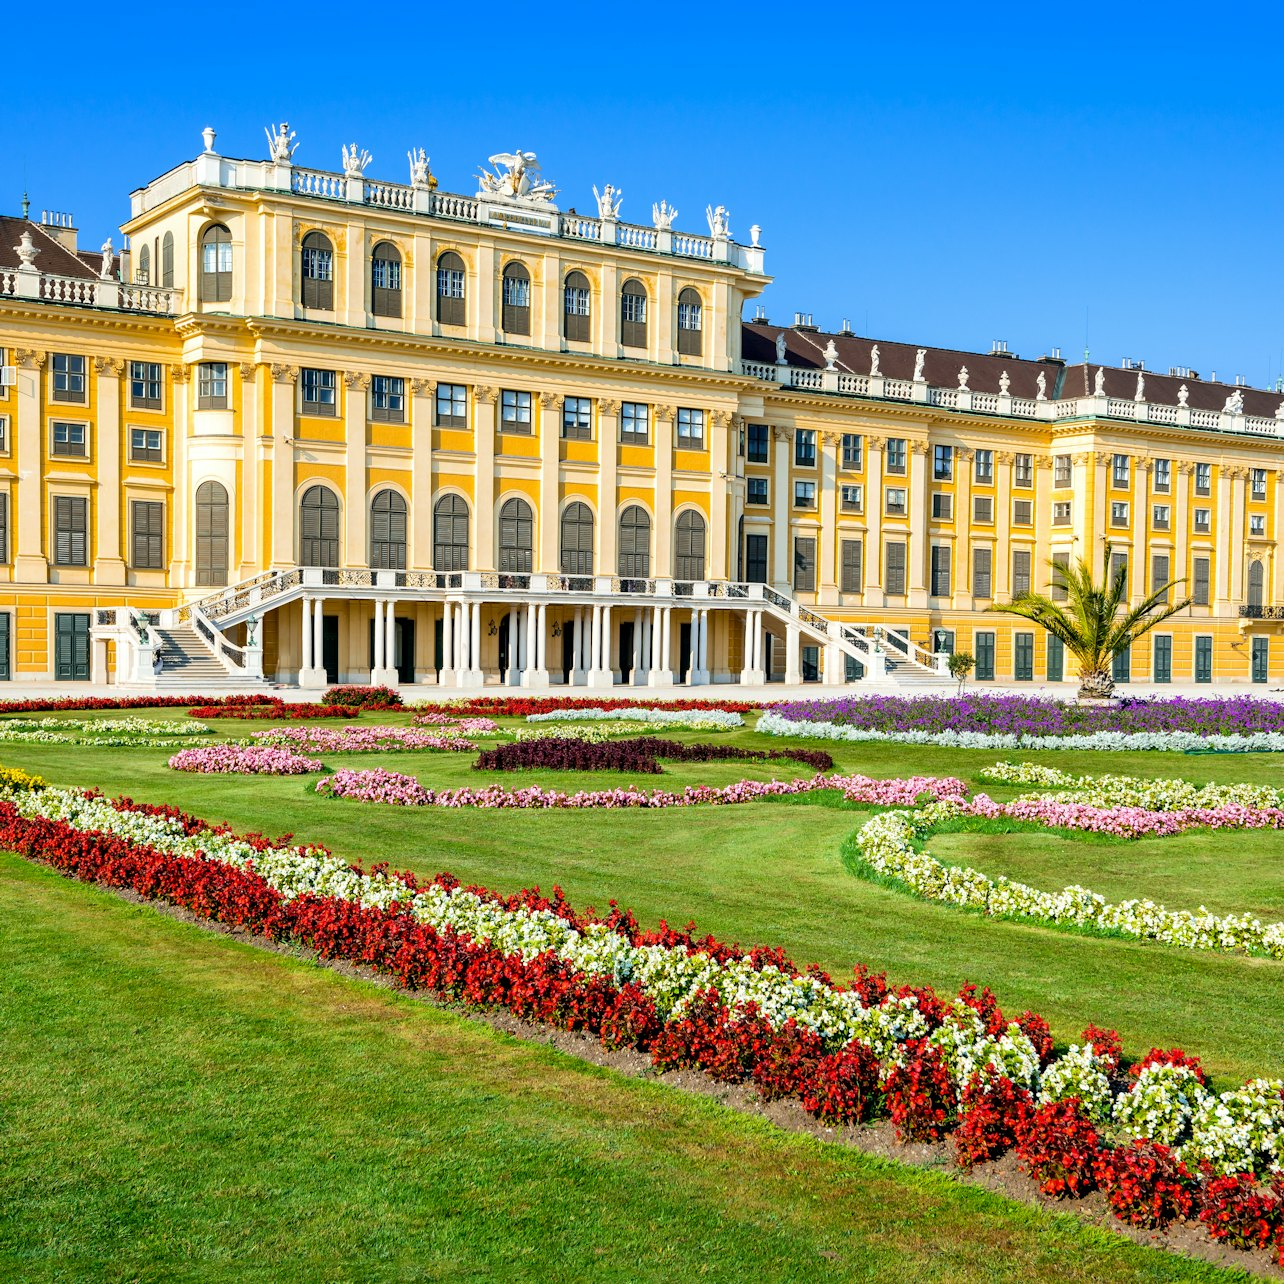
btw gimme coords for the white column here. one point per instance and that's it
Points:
(793, 666)
(390, 642)
(513, 676)
(448, 675)
(759, 648)
(595, 674)
(30, 566)
(535, 674)
(639, 671)
(462, 638)
(606, 666)
(475, 674)
(703, 649)
(376, 658)
(305, 659)
(746, 669)
(313, 674)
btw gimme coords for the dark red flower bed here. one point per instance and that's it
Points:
(382, 698)
(73, 704)
(275, 710)
(641, 754)
(524, 706)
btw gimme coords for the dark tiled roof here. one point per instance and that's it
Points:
(53, 257)
(1162, 389)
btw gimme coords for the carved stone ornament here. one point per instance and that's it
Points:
(1185, 467)
(1005, 456)
(1103, 456)
(179, 373)
(831, 437)
(356, 379)
(919, 447)
(484, 392)
(30, 358)
(110, 367)
(964, 455)
(247, 371)
(284, 374)
(720, 419)
(281, 144)
(662, 215)
(423, 387)
(782, 434)
(551, 400)
(608, 406)
(1042, 461)
(874, 442)
(1081, 458)
(516, 178)
(355, 160)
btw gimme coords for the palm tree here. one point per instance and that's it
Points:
(1090, 625)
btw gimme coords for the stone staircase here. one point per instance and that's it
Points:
(189, 666)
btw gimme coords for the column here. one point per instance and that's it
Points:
(524, 614)
(1181, 528)
(484, 478)
(780, 499)
(1041, 572)
(305, 639)
(1226, 535)
(663, 567)
(1238, 534)
(550, 453)
(313, 674)
(476, 674)
(247, 505)
(639, 671)
(721, 565)
(376, 643)
(600, 648)
(746, 669)
(448, 674)
(962, 561)
(109, 565)
(759, 649)
(390, 643)
(282, 430)
(422, 392)
(1139, 574)
(793, 665)
(1002, 569)
(513, 676)
(608, 451)
(662, 672)
(30, 565)
(702, 652)
(643, 676)
(833, 673)
(354, 475)
(535, 674)
(917, 578)
(827, 444)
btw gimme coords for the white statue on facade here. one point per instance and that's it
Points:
(874, 371)
(1005, 382)
(355, 161)
(780, 348)
(1234, 403)
(1140, 394)
(608, 200)
(719, 222)
(109, 256)
(281, 142)
(1041, 384)
(26, 251)
(920, 358)
(662, 215)
(420, 175)
(1182, 393)
(1099, 382)
(519, 180)
(831, 355)
(963, 377)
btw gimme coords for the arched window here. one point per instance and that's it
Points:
(1256, 583)
(633, 314)
(450, 534)
(516, 537)
(635, 543)
(388, 532)
(385, 280)
(517, 300)
(688, 555)
(450, 290)
(575, 305)
(143, 272)
(319, 527)
(577, 539)
(318, 272)
(211, 534)
(216, 264)
(690, 323)
(167, 260)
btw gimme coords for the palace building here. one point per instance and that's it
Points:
(313, 427)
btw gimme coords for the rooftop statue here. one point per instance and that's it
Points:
(281, 143)
(1005, 382)
(354, 161)
(1141, 386)
(519, 180)
(1099, 382)
(1041, 383)
(1182, 393)
(109, 256)
(831, 355)
(919, 358)
(1234, 403)
(963, 377)
(873, 362)
(662, 216)
(420, 175)
(780, 348)
(608, 200)
(719, 221)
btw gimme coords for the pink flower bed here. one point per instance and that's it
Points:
(358, 739)
(1129, 822)
(462, 726)
(244, 760)
(405, 791)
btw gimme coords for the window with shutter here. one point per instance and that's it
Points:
(689, 552)
(516, 311)
(756, 559)
(388, 531)
(1119, 567)
(1163, 663)
(318, 272)
(71, 646)
(941, 570)
(450, 290)
(804, 565)
(211, 534)
(1203, 659)
(1121, 666)
(894, 573)
(216, 264)
(450, 534)
(1201, 576)
(6, 636)
(4, 527)
(633, 314)
(71, 527)
(1020, 571)
(851, 566)
(690, 322)
(1256, 584)
(385, 280)
(1023, 657)
(576, 303)
(982, 572)
(577, 539)
(1159, 573)
(148, 522)
(516, 537)
(635, 543)
(1060, 564)
(319, 527)
(167, 260)
(983, 645)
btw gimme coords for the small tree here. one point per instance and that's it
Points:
(961, 664)
(1090, 624)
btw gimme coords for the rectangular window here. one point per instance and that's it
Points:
(71, 531)
(146, 446)
(1121, 665)
(145, 385)
(1200, 580)
(804, 494)
(1261, 660)
(983, 468)
(1159, 574)
(756, 559)
(635, 423)
(690, 429)
(853, 499)
(894, 573)
(385, 274)
(983, 645)
(896, 501)
(1061, 513)
(756, 490)
(853, 454)
(982, 572)
(1020, 571)
(211, 385)
(1121, 470)
(69, 378)
(1056, 659)
(1119, 513)
(4, 433)
(1163, 662)
(1203, 520)
(896, 454)
(1203, 659)
(1259, 483)
(4, 532)
(1163, 475)
(1118, 567)
(1203, 479)
(69, 440)
(943, 463)
(759, 443)
(148, 521)
(1023, 471)
(318, 392)
(1062, 471)
(805, 448)
(1257, 524)
(942, 507)
(1023, 657)
(804, 565)
(577, 419)
(1023, 512)
(514, 411)
(452, 405)
(940, 570)
(983, 509)
(388, 399)
(1159, 516)
(1057, 587)
(850, 580)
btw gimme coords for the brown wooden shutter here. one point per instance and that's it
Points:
(894, 579)
(450, 310)
(635, 542)
(632, 333)
(941, 570)
(1058, 584)
(689, 562)
(804, 565)
(690, 340)
(577, 540)
(516, 537)
(851, 570)
(982, 572)
(318, 292)
(1159, 572)
(4, 528)
(147, 520)
(576, 323)
(388, 531)
(515, 317)
(1200, 591)
(1020, 571)
(211, 534)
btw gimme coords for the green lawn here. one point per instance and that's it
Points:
(175, 1106)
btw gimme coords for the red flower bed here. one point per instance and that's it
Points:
(640, 754)
(992, 1111)
(920, 1095)
(275, 710)
(1060, 1149)
(1146, 1185)
(72, 704)
(382, 698)
(524, 706)
(1239, 1212)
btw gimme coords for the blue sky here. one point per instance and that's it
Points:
(944, 174)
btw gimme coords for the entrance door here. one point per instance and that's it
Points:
(1261, 658)
(767, 665)
(330, 647)
(71, 646)
(568, 652)
(503, 646)
(404, 650)
(684, 651)
(627, 658)
(438, 644)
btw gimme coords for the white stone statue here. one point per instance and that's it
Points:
(1279, 414)
(518, 180)
(1099, 382)
(608, 200)
(1140, 394)
(963, 376)
(109, 256)
(920, 357)
(1182, 393)
(831, 355)
(1041, 383)
(1005, 382)
(874, 371)
(419, 171)
(662, 216)
(27, 251)
(281, 142)
(1234, 404)
(780, 348)
(354, 161)
(719, 221)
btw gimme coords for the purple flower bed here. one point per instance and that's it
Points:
(641, 754)
(1029, 715)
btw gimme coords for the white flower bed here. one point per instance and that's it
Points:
(677, 719)
(141, 732)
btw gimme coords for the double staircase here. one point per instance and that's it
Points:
(189, 665)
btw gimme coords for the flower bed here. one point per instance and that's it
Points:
(354, 697)
(525, 706)
(640, 755)
(70, 704)
(275, 709)
(139, 732)
(456, 726)
(674, 719)
(937, 1066)
(243, 760)
(363, 739)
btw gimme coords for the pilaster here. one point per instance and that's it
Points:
(109, 564)
(663, 566)
(546, 518)
(484, 477)
(30, 565)
(719, 470)
(422, 392)
(608, 453)
(873, 550)
(356, 388)
(827, 446)
(282, 430)
(780, 576)
(919, 518)
(248, 505)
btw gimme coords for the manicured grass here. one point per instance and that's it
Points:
(178, 1106)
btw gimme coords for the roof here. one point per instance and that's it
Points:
(53, 256)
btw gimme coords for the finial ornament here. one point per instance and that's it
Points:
(963, 377)
(1182, 393)
(209, 136)
(831, 355)
(608, 200)
(420, 175)
(874, 371)
(26, 250)
(281, 142)
(662, 215)
(920, 358)
(754, 233)
(1005, 382)
(719, 221)
(519, 180)
(355, 161)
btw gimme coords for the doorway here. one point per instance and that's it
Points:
(628, 661)
(684, 651)
(330, 648)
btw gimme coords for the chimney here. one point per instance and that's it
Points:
(61, 226)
